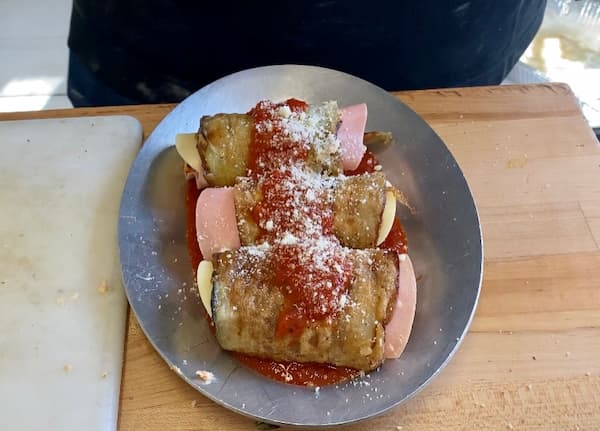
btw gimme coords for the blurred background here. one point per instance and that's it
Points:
(567, 49)
(34, 54)
(33, 49)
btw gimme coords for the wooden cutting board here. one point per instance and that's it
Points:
(531, 360)
(62, 307)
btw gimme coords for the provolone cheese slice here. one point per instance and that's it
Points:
(185, 143)
(387, 218)
(205, 286)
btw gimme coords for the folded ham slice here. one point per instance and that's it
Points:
(350, 134)
(398, 328)
(216, 225)
(219, 152)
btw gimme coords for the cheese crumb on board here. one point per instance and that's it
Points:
(103, 287)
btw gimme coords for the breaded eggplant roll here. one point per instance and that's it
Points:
(251, 308)
(357, 203)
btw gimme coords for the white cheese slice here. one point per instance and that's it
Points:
(185, 143)
(387, 218)
(205, 286)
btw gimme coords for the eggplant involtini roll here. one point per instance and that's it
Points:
(256, 315)
(357, 204)
(225, 145)
(265, 303)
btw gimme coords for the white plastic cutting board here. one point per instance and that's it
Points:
(61, 336)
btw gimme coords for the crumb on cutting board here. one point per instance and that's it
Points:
(103, 287)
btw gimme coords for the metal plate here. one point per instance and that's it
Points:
(444, 243)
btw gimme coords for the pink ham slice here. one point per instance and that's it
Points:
(350, 134)
(216, 223)
(398, 329)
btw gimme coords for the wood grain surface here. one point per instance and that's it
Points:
(531, 360)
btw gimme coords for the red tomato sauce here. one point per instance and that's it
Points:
(311, 292)
(278, 201)
(266, 153)
(304, 305)
(396, 239)
(191, 197)
(366, 165)
(298, 373)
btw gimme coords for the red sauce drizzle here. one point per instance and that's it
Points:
(311, 284)
(191, 197)
(366, 165)
(300, 308)
(305, 305)
(281, 195)
(396, 239)
(270, 148)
